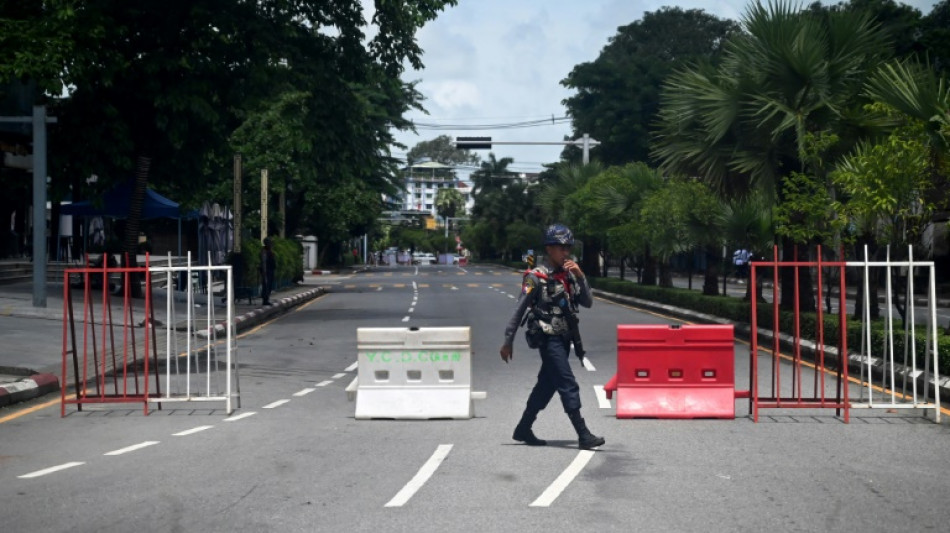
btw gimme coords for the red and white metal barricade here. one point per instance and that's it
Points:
(193, 369)
(828, 372)
(106, 372)
(884, 394)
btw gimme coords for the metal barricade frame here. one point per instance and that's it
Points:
(842, 400)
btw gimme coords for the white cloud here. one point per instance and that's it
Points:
(451, 95)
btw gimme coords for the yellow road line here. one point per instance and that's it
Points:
(51, 403)
(34, 409)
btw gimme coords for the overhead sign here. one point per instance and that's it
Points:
(473, 143)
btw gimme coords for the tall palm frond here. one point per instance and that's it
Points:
(569, 179)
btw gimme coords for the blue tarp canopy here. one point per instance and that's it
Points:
(115, 204)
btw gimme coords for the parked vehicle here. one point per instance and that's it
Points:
(423, 258)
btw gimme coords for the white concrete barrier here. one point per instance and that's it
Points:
(414, 373)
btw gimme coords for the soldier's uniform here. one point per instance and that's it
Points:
(547, 305)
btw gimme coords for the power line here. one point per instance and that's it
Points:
(500, 126)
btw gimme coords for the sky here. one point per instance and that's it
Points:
(492, 62)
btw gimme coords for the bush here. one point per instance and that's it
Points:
(289, 264)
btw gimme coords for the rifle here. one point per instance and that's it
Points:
(572, 324)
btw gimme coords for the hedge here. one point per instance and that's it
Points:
(289, 264)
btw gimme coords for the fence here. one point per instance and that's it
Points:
(106, 372)
(887, 368)
(102, 371)
(828, 372)
(195, 374)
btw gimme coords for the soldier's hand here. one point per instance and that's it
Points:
(506, 354)
(573, 268)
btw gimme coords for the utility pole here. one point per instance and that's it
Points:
(236, 208)
(39, 120)
(263, 204)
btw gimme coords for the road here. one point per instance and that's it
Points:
(306, 464)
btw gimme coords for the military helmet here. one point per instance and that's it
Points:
(558, 234)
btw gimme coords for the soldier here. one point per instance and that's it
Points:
(550, 294)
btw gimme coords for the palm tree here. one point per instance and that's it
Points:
(492, 174)
(919, 93)
(448, 203)
(744, 125)
(552, 202)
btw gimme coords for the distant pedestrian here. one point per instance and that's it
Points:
(741, 259)
(267, 269)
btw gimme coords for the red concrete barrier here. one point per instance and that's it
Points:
(674, 372)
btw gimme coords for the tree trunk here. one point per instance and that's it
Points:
(134, 221)
(666, 275)
(711, 279)
(806, 294)
(873, 282)
(649, 269)
(591, 254)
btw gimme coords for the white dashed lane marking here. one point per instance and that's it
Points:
(278, 403)
(339, 375)
(50, 470)
(191, 431)
(589, 366)
(240, 416)
(325, 383)
(352, 367)
(132, 448)
(304, 392)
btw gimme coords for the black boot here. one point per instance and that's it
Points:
(585, 439)
(523, 431)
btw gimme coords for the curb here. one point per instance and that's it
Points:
(252, 318)
(744, 331)
(40, 384)
(28, 388)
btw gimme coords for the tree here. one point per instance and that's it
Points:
(889, 188)
(448, 203)
(441, 149)
(555, 205)
(743, 125)
(617, 94)
(620, 195)
(171, 81)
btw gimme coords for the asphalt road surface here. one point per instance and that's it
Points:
(294, 458)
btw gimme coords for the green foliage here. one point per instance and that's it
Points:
(289, 265)
(807, 212)
(743, 125)
(888, 184)
(296, 87)
(442, 150)
(522, 236)
(449, 202)
(615, 96)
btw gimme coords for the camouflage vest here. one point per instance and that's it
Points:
(554, 300)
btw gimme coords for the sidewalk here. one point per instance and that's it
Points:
(31, 351)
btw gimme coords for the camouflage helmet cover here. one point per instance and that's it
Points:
(558, 234)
